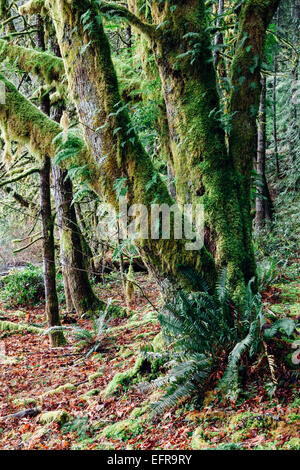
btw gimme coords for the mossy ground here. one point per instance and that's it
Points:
(63, 381)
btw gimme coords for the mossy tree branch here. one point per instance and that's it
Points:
(110, 7)
(42, 64)
(27, 125)
(19, 198)
(19, 177)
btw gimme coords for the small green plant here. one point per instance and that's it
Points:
(23, 287)
(90, 340)
(80, 426)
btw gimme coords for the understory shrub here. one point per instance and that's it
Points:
(23, 287)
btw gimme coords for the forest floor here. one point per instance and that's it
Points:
(70, 409)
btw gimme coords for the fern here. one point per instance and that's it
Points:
(199, 328)
(90, 339)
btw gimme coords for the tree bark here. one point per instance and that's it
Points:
(56, 337)
(78, 290)
(82, 295)
(264, 206)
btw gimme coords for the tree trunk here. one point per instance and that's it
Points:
(203, 170)
(52, 312)
(56, 338)
(275, 104)
(82, 295)
(117, 155)
(264, 206)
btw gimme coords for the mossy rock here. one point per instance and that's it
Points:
(58, 416)
(123, 430)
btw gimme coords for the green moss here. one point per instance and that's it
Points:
(123, 430)
(18, 328)
(249, 420)
(95, 376)
(47, 67)
(86, 443)
(198, 442)
(125, 352)
(25, 402)
(57, 390)
(122, 379)
(59, 416)
(32, 7)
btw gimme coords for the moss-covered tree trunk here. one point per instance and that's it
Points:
(82, 295)
(94, 88)
(204, 171)
(78, 290)
(254, 18)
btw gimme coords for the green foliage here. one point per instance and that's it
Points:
(23, 287)
(80, 426)
(283, 325)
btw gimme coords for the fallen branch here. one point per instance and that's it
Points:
(29, 413)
